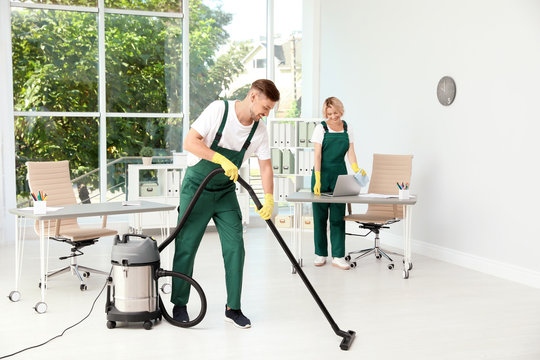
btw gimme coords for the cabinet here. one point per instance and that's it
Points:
(161, 183)
(292, 154)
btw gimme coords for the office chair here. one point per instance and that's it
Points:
(53, 179)
(388, 170)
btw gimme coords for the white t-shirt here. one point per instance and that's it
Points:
(318, 134)
(234, 134)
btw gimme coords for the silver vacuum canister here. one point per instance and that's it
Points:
(135, 260)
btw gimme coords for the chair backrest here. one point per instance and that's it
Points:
(388, 170)
(53, 179)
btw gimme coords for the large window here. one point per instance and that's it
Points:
(96, 93)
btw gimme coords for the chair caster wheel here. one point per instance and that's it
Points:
(83, 287)
(390, 266)
(353, 264)
(147, 325)
(378, 256)
(39, 285)
(111, 324)
(347, 258)
(86, 274)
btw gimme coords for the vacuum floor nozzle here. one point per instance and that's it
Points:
(348, 338)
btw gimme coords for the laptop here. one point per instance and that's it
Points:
(346, 185)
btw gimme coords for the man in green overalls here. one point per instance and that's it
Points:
(226, 134)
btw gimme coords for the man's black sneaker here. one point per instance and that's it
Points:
(180, 313)
(237, 318)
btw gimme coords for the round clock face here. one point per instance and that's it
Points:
(446, 90)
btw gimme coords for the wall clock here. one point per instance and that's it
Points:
(446, 90)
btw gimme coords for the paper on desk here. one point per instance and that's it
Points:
(131, 203)
(49, 208)
(381, 196)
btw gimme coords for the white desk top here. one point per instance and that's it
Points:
(310, 197)
(98, 209)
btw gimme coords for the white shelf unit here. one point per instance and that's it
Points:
(289, 139)
(164, 187)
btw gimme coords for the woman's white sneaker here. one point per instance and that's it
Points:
(319, 260)
(341, 263)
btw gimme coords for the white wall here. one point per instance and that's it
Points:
(476, 163)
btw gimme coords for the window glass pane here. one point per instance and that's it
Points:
(144, 64)
(91, 3)
(59, 138)
(223, 34)
(55, 60)
(288, 56)
(148, 5)
(125, 139)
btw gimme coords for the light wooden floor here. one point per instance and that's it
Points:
(441, 312)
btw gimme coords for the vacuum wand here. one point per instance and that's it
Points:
(348, 336)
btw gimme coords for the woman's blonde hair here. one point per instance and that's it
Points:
(333, 102)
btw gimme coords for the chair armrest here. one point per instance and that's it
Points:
(349, 208)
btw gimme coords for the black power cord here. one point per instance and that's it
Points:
(66, 329)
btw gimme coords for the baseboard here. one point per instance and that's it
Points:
(496, 268)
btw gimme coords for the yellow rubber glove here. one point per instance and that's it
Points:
(317, 186)
(231, 171)
(356, 169)
(266, 211)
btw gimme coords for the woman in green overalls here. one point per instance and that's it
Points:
(333, 140)
(225, 134)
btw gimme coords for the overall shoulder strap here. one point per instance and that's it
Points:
(323, 123)
(250, 136)
(222, 125)
(344, 125)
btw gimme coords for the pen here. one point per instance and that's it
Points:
(399, 186)
(33, 196)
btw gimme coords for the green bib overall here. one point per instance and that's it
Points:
(218, 202)
(334, 149)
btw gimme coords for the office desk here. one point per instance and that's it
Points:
(307, 197)
(70, 211)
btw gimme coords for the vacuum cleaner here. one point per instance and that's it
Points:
(132, 289)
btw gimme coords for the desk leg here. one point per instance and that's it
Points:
(297, 234)
(407, 253)
(298, 210)
(20, 233)
(41, 306)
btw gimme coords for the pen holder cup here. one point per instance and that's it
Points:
(404, 194)
(40, 207)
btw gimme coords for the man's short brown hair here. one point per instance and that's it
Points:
(267, 87)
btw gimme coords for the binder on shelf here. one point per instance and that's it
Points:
(276, 156)
(170, 189)
(282, 135)
(287, 163)
(289, 135)
(300, 161)
(302, 134)
(275, 134)
(308, 162)
(310, 127)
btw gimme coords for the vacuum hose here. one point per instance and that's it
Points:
(348, 336)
